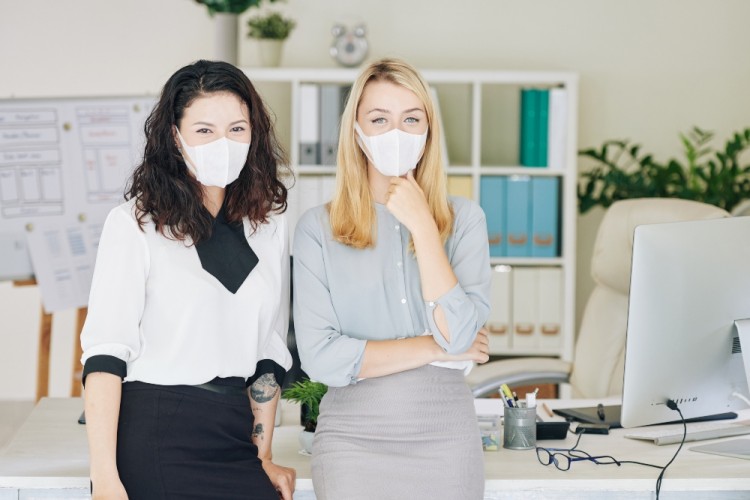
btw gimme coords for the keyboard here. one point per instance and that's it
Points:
(697, 431)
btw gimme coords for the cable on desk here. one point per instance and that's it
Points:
(672, 406)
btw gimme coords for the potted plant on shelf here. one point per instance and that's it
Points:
(308, 394)
(270, 30)
(226, 14)
(707, 175)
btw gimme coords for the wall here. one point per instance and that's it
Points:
(648, 71)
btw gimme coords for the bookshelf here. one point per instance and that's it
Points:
(481, 116)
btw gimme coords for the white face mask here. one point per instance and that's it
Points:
(393, 153)
(217, 163)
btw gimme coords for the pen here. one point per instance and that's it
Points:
(508, 395)
(547, 410)
(600, 411)
(507, 401)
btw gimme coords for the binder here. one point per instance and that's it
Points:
(525, 305)
(542, 124)
(558, 119)
(529, 129)
(309, 124)
(499, 319)
(461, 185)
(545, 224)
(332, 100)
(518, 216)
(492, 199)
(550, 307)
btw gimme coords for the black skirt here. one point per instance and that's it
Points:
(183, 442)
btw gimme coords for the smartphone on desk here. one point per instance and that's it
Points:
(587, 428)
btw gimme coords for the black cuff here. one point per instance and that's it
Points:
(268, 366)
(104, 363)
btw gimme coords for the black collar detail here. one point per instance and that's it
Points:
(227, 255)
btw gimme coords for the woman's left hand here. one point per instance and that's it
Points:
(407, 202)
(282, 478)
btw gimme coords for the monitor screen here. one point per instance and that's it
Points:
(690, 281)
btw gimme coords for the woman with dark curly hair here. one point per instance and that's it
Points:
(185, 340)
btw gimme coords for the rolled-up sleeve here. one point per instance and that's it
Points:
(274, 356)
(326, 354)
(111, 334)
(466, 306)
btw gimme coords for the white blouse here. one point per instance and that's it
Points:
(153, 306)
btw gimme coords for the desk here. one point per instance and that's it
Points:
(48, 458)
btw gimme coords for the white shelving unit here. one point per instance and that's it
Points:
(474, 104)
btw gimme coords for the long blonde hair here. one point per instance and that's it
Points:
(351, 210)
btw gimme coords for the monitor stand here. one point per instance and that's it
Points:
(742, 326)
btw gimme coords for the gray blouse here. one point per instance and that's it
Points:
(345, 296)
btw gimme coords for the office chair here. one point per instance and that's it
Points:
(597, 368)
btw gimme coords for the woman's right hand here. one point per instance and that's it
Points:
(110, 490)
(478, 352)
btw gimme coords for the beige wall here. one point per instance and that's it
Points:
(649, 69)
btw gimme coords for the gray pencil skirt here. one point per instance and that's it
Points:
(412, 436)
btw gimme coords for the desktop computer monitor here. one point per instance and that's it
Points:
(690, 282)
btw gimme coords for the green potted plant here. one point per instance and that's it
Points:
(270, 30)
(621, 171)
(228, 6)
(308, 394)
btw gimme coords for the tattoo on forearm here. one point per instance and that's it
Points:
(264, 389)
(258, 431)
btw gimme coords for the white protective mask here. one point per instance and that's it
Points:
(217, 163)
(393, 153)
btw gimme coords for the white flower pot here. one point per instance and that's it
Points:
(270, 51)
(306, 440)
(225, 37)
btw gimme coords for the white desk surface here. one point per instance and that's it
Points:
(49, 451)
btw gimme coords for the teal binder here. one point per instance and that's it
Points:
(518, 216)
(542, 129)
(545, 217)
(529, 127)
(492, 194)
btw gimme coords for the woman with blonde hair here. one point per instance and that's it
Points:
(391, 283)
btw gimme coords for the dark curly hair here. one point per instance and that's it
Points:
(169, 195)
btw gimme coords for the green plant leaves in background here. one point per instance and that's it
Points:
(621, 171)
(229, 6)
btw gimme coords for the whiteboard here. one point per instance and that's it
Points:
(63, 161)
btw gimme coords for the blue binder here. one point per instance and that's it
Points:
(518, 216)
(545, 224)
(492, 200)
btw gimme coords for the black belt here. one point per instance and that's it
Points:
(231, 390)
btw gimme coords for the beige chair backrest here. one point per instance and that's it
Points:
(600, 348)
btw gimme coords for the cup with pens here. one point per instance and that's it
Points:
(519, 421)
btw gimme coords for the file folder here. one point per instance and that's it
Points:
(518, 216)
(545, 221)
(492, 199)
(309, 124)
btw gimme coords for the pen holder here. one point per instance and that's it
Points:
(519, 428)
